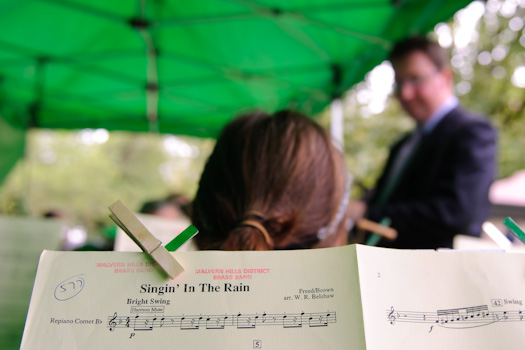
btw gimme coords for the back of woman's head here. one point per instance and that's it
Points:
(272, 182)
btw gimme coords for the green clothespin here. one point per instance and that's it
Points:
(513, 226)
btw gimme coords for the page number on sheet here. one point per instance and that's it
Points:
(257, 344)
(378, 275)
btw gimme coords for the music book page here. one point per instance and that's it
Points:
(304, 299)
(416, 299)
(352, 297)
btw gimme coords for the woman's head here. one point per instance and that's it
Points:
(272, 182)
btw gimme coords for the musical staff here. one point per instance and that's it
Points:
(239, 321)
(466, 317)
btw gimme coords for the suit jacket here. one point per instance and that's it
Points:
(444, 188)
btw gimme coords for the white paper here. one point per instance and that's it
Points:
(352, 297)
(442, 300)
(224, 300)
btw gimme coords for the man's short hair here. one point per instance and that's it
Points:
(432, 49)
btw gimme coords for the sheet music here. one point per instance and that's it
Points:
(442, 300)
(465, 317)
(352, 297)
(223, 300)
(184, 322)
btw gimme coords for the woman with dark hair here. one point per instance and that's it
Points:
(272, 182)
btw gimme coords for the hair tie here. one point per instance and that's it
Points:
(261, 228)
(254, 213)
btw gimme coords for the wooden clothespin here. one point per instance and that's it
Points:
(130, 224)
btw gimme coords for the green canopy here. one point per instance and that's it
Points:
(187, 67)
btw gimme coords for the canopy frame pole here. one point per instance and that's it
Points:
(141, 24)
(38, 91)
(152, 88)
(336, 123)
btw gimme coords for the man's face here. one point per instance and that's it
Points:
(420, 87)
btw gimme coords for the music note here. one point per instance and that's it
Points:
(321, 320)
(191, 323)
(292, 321)
(245, 321)
(239, 320)
(143, 323)
(466, 317)
(216, 322)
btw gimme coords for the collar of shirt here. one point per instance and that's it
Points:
(450, 103)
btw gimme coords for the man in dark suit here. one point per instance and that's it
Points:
(436, 180)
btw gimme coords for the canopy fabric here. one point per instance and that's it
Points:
(187, 67)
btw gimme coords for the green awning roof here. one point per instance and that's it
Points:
(187, 67)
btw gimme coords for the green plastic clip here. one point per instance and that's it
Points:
(182, 238)
(513, 226)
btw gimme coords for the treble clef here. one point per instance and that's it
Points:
(391, 316)
(112, 324)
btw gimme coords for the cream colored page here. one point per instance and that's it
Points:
(442, 300)
(224, 300)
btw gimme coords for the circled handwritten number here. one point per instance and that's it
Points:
(69, 288)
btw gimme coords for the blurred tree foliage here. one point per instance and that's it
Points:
(81, 173)
(495, 85)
